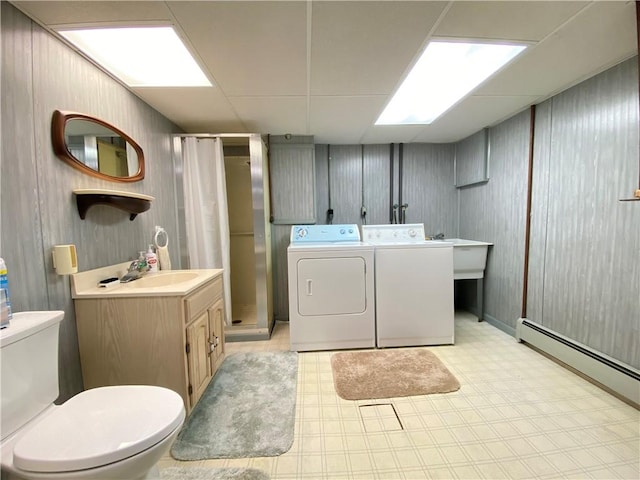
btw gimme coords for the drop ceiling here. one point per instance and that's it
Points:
(328, 68)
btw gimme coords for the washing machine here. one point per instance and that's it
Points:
(331, 288)
(413, 286)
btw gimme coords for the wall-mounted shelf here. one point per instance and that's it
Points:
(132, 203)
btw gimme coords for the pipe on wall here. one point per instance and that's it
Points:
(391, 165)
(527, 233)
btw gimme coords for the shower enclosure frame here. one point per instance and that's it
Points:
(261, 230)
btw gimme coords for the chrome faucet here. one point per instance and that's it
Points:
(136, 270)
(438, 236)
(135, 266)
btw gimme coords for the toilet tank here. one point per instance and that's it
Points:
(28, 367)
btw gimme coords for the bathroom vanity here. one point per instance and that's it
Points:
(165, 329)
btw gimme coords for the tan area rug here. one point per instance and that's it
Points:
(390, 373)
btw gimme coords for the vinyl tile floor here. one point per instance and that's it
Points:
(516, 415)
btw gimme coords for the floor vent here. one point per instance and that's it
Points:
(620, 378)
(380, 417)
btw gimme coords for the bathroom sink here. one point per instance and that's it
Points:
(164, 279)
(165, 282)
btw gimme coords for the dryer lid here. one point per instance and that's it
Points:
(98, 427)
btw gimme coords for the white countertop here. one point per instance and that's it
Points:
(85, 284)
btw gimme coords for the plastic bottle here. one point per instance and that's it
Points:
(4, 285)
(142, 262)
(152, 260)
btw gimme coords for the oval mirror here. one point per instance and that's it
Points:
(96, 148)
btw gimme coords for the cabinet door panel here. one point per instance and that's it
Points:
(198, 356)
(293, 183)
(216, 339)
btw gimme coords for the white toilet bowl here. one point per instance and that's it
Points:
(118, 432)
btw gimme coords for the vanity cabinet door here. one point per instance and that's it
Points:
(216, 339)
(198, 335)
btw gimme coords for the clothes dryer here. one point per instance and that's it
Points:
(413, 286)
(331, 288)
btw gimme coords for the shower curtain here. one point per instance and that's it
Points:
(205, 204)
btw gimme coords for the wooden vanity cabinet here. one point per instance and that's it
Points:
(204, 348)
(172, 341)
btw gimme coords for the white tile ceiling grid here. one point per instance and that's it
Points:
(328, 68)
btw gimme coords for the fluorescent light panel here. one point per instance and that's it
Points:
(140, 56)
(444, 74)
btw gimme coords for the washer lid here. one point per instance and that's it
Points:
(98, 427)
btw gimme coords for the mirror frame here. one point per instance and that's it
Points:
(58, 123)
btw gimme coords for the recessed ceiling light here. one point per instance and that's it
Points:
(444, 74)
(140, 56)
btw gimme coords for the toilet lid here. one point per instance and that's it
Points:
(98, 427)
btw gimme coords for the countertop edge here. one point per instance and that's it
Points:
(130, 290)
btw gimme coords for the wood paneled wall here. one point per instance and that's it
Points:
(427, 187)
(584, 271)
(584, 277)
(39, 75)
(495, 212)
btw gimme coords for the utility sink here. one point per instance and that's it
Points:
(163, 279)
(469, 258)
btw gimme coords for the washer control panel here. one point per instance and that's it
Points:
(396, 233)
(325, 233)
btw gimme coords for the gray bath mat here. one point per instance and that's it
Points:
(248, 409)
(201, 473)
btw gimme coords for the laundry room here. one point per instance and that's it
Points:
(475, 187)
(538, 169)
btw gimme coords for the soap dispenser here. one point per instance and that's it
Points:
(152, 260)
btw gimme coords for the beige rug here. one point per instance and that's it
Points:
(390, 373)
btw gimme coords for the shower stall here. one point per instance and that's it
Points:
(245, 228)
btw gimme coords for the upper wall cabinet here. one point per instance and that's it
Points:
(293, 183)
(96, 148)
(472, 159)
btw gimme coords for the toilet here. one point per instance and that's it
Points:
(117, 432)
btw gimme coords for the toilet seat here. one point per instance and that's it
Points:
(98, 427)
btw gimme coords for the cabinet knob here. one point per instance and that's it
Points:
(213, 343)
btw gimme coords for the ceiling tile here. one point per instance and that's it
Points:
(513, 20)
(67, 13)
(250, 48)
(273, 115)
(343, 120)
(586, 40)
(472, 115)
(362, 48)
(195, 109)
(391, 133)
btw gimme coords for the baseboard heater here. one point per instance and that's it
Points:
(613, 374)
